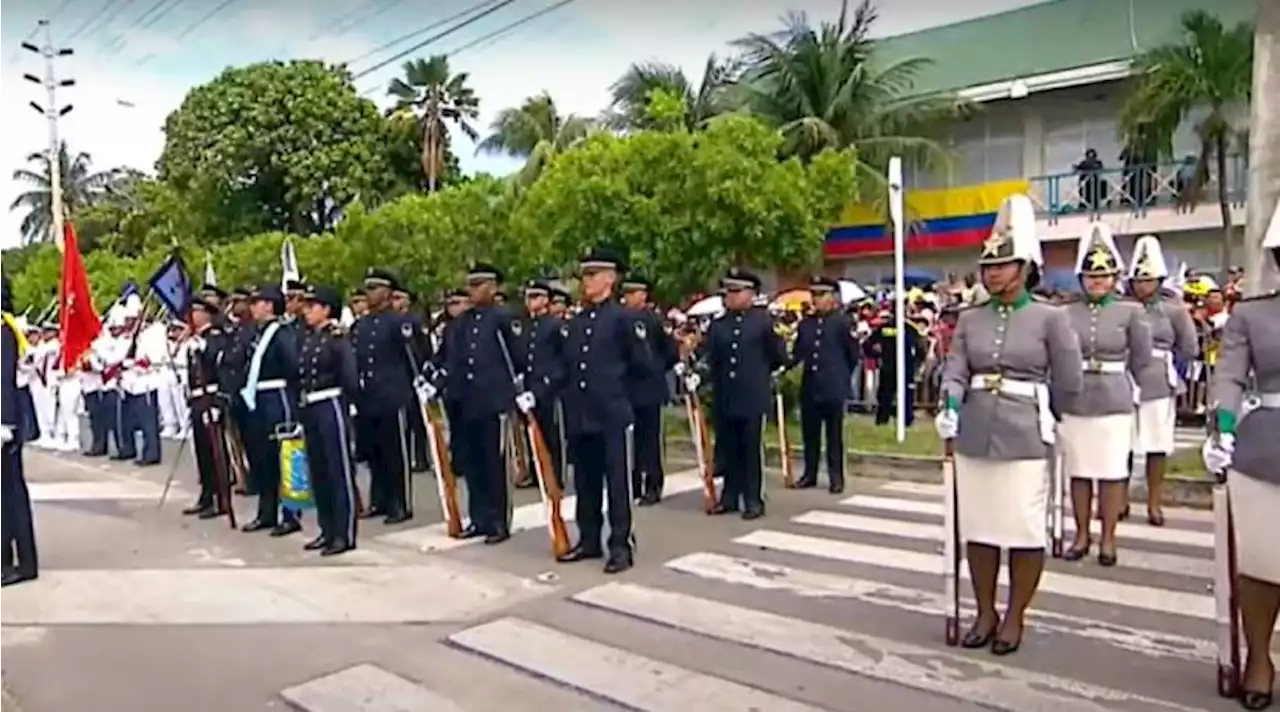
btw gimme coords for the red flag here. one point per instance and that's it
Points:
(78, 322)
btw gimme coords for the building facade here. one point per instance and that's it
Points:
(1050, 81)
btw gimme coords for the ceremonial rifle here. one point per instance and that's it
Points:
(1225, 596)
(701, 443)
(437, 446)
(950, 545)
(780, 411)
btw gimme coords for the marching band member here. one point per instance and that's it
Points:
(1247, 449)
(17, 426)
(1173, 336)
(1097, 424)
(648, 392)
(1007, 354)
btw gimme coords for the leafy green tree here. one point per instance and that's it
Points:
(630, 95)
(81, 187)
(433, 98)
(537, 132)
(277, 145)
(1211, 68)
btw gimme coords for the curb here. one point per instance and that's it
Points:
(1178, 491)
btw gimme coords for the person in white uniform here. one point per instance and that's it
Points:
(1097, 423)
(1008, 354)
(66, 388)
(1247, 448)
(44, 386)
(171, 389)
(1173, 338)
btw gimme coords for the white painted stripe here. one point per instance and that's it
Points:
(526, 517)
(1161, 600)
(365, 688)
(808, 584)
(1130, 558)
(91, 490)
(1137, 511)
(1124, 530)
(967, 678)
(611, 673)
(231, 596)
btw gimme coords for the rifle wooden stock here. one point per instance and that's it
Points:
(446, 480)
(548, 486)
(521, 456)
(221, 474)
(702, 448)
(788, 475)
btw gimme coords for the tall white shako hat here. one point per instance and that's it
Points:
(1097, 254)
(116, 316)
(1272, 239)
(1013, 237)
(1148, 259)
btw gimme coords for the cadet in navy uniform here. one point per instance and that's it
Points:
(648, 391)
(19, 426)
(479, 371)
(402, 301)
(271, 398)
(560, 300)
(605, 346)
(232, 370)
(207, 342)
(386, 400)
(742, 351)
(544, 368)
(827, 350)
(327, 371)
(457, 302)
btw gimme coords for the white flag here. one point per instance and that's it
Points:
(210, 277)
(288, 264)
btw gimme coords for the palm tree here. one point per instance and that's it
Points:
(1211, 68)
(824, 88)
(434, 98)
(628, 110)
(535, 131)
(81, 187)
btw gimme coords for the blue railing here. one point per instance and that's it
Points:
(1135, 189)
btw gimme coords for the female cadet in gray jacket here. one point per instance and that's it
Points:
(1173, 336)
(1248, 449)
(1007, 354)
(1097, 424)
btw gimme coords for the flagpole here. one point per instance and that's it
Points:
(899, 290)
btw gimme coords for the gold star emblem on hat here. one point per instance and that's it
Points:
(991, 246)
(1100, 258)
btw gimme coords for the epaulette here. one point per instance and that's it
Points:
(337, 329)
(1264, 295)
(1042, 299)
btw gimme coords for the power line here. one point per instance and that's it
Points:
(342, 19)
(91, 19)
(501, 31)
(58, 11)
(432, 39)
(382, 10)
(17, 54)
(144, 21)
(110, 18)
(423, 30)
(186, 32)
(173, 5)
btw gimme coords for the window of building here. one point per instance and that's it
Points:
(982, 149)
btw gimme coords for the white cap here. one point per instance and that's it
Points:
(1272, 238)
(23, 325)
(116, 316)
(1148, 259)
(1096, 251)
(1013, 237)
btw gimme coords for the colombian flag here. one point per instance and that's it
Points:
(940, 220)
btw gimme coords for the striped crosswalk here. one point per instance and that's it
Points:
(852, 590)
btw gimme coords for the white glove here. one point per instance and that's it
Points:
(6, 434)
(424, 389)
(352, 410)
(947, 423)
(680, 369)
(525, 402)
(1218, 453)
(691, 382)
(215, 415)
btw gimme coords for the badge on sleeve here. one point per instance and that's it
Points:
(517, 327)
(406, 330)
(642, 332)
(564, 331)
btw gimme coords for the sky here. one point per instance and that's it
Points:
(134, 60)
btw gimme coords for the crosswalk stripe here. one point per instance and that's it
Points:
(1124, 530)
(610, 673)
(433, 537)
(367, 688)
(92, 490)
(931, 670)
(809, 584)
(1138, 511)
(1132, 558)
(1081, 587)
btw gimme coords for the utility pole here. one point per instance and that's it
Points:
(52, 112)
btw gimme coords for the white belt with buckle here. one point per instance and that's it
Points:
(274, 384)
(204, 391)
(1109, 367)
(323, 394)
(997, 383)
(1171, 373)
(1269, 400)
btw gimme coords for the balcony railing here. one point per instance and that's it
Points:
(1135, 189)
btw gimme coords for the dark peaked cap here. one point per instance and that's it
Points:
(377, 277)
(602, 258)
(738, 278)
(328, 296)
(481, 271)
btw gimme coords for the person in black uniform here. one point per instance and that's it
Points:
(882, 344)
(827, 350)
(207, 343)
(17, 427)
(327, 374)
(402, 302)
(742, 351)
(239, 334)
(270, 395)
(380, 339)
(479, 371)
(543, 365)
(559, 306)
(605, 346)
(450, 385)
(648, 391)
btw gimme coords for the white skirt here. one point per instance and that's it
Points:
(1155, 425)
(1002, 502)
(1096, 447)
(1254, 504)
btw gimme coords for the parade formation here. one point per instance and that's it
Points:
(1041, 407)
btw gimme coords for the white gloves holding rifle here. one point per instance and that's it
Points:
(947, 423)
(1218, 453)
(525, 402)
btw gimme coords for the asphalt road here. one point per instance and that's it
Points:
(828, 603)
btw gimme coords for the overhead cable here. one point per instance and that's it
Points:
(432, 39)
(484, 7)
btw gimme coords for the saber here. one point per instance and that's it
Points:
(951, 549)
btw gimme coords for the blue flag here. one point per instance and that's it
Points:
(130, 289)
(171, 285)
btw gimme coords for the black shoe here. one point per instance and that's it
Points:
(196, 508)
(257, 525)
(975, 639)
(286, 528)
(146, 463)
(336, 547)
(650, 498)
(1255, 700)
(210, 513)
(836, 487)
(1107, 559)
(806, 483)
(372, 512)
(318, 543)
(1004, 647)
(618, 563)
(471, 532)
(722, 508)
(497, 537)
(578, 553)
(397, 518)
(753, 513)
(14, 577)
(1077, 552)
